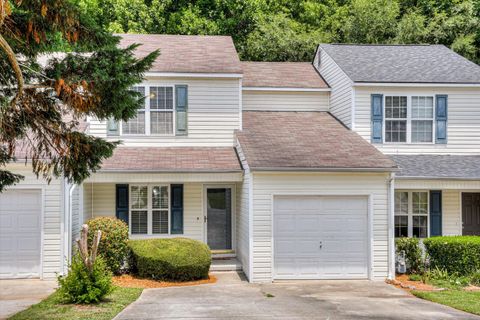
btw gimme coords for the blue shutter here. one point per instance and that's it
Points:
(435, 213)
(121, 202)
(377, 118)
(176, 226)
(181, 109)
(441, 115)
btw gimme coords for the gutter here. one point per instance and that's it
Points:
(437, 178)
(332, 169)
(167, 171)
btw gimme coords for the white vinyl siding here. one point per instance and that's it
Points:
(77, 215)
(266, 185)
(52, 218)
(285, 101)
(243, 216)
(341, 94)
(213, 115)
(463, 124)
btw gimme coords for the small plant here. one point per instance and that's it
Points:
(113, 246)
(415, 277)
(88, 279)
(475, 278)
(442, 278)
(413, 253)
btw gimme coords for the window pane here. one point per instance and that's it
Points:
(401, 203)
(160, 221)
(396, 107)
(139, 222)
(395, 131)
(138, 197)
(419, 227)
(135, 125)
(422, 107)
(422, 130)
(161, 122)
(401, 226)
(161, 98)
(160, 197)
(420, 202)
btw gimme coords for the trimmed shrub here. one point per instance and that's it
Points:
(175, 259)
(475, 278)
(459, 254)
(413, 253)
(81, 286)
(114, 243)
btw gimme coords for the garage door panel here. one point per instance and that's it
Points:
(20, 230)
(339, 223)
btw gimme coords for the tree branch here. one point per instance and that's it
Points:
(13, 61)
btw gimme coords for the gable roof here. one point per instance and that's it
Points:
(281, 75)
(273, 140)
(403, 63)
(438, 166)
(173, 159)
(192, 54)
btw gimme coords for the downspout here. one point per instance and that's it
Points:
(391, 229)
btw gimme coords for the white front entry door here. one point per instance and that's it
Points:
(320, 237)
(20, 233)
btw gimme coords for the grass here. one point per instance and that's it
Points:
(468, 301)
(52, 309)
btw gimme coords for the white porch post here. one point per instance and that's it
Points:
(391, 226)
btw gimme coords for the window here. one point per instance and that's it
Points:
(411, 214)
(149, 209)
(409, 119)
(157, 116)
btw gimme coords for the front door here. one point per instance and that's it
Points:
(471, 214)
(219, 218)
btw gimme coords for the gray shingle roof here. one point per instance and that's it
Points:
(438, 166)
(276, 140)
(403, 63)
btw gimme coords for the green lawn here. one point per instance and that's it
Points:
(52, 309)
(458, 299)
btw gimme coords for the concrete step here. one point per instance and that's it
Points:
(226, 264)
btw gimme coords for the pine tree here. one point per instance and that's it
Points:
(44, 96)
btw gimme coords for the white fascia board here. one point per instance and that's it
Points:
(414, 84)
(286, 89)
(193, 75)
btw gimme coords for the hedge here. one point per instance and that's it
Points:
(457, 254)
(113, 246)
(413, 253)
(175, 259)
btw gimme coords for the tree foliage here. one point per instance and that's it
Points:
(44, 97)
(284, 30)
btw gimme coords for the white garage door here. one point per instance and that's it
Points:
(320, 237)
(20, 218)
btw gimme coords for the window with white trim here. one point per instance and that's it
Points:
(409, 119)
(411, 214)
(157, 117)
(149, 209)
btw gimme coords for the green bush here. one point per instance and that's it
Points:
(81, 286)
(113, 246)
(475, 278)
(176, 259)
(459, 254)
(413, 253)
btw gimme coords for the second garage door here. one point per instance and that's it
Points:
(320, 237)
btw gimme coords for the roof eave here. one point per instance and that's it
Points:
(290, 89)
(436, 178)
(417, 84)
(320, 169)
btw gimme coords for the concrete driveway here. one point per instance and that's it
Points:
(233, 298)
(17, 295)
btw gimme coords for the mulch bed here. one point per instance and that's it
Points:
(129, 281)
(402, 281)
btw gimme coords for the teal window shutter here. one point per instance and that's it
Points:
(377, 118)
(176, 192)
(181, 108)
(113, 128)
(441, 115)
(435, 213)
(121, 202)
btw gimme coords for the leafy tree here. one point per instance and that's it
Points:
(42, 104)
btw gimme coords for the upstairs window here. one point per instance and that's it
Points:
(157, 116)
(409, 119)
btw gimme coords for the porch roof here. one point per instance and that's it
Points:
(172, 159)
(465, 167)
